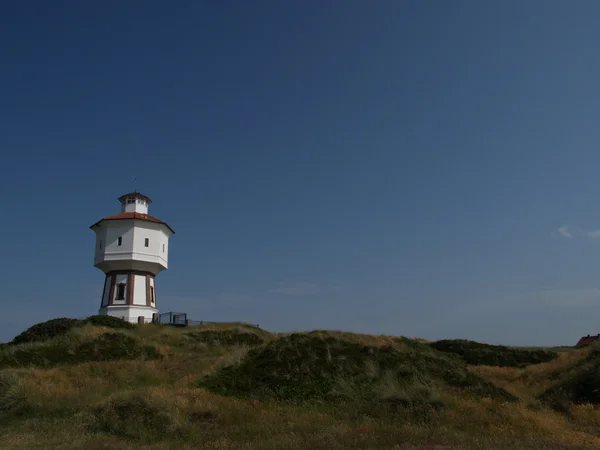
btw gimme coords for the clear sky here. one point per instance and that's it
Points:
(416, 168)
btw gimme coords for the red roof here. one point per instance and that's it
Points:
(587, 340)
(136, 216)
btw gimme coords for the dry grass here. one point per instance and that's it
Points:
(529, 382)
(153, 404)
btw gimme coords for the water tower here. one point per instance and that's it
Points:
(132, 248)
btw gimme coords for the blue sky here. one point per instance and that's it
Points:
(413, 168)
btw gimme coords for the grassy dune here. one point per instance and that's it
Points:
(94, 384)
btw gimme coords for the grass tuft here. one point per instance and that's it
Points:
(13, 393)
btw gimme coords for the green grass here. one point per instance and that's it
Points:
(326, 367)
(476, 353)
(58, 327)
(579, 383)
(234, 386)
(77, 346)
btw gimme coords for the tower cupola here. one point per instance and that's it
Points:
(134, 202)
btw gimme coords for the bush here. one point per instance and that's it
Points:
(66, 350)
(115, 346)
(476, 353)
(47, 330)
(311, 366)
(109, 322)
(150, 416)
(135, 416)
(58, 327)
(579, 384)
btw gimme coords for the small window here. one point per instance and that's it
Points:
(146, 242)
(130, 200)
(100, 243)
(120, 291)
(152, 299)
(119, 241)
(163, 248)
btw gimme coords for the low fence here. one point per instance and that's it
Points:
(177, 319)
(192, 323)
(180, 319)
(171, 318)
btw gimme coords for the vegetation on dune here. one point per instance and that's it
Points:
(579, 383)
(11, 393)
(108, 321)
(226, 337)
(477, 353)
(320, 366)
(73, 347)
(46, 330)
(136, 415)
(93, 385)
(57, 327)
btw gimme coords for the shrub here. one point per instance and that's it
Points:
(150, 416)
(311, 366)
(109, 322)
(579, 384)
(58, 327)
(67, 350)
(115, 346)
(135, 416)
(476, 353)
(413, 344)
(47, 330)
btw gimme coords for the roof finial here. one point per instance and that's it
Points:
(134, 185)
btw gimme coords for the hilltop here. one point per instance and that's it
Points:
(103, 383)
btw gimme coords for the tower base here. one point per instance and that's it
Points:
(129, 313)
(129, 295)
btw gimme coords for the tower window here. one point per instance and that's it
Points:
(120, 291)
(119, 240)
(152, 299)
(100, 243)
(146, 242)
(163, 248)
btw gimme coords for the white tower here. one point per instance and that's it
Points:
(131, 249)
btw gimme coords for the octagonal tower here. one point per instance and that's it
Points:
(132, 247)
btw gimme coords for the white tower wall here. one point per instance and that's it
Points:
(141, 241)
(139, 290)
